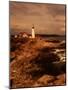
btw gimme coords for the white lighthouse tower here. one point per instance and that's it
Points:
(33, 32)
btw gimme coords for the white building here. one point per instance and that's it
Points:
(15, 36)
(23, 35)
(33, 32)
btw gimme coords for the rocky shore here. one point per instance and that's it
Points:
(36, 63)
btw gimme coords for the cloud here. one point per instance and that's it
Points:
(47, 17)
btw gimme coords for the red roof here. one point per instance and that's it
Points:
(23, 33)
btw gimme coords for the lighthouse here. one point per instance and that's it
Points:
(33, 32)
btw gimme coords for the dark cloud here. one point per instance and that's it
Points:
(56, 9)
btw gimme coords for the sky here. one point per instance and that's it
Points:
(47, 18)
